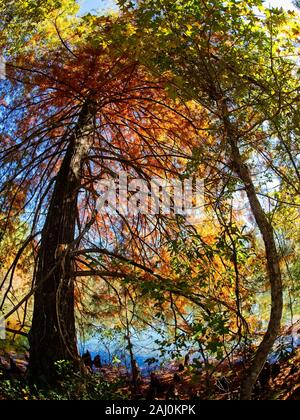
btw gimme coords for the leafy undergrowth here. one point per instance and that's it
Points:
(70, 386)
(174, 382)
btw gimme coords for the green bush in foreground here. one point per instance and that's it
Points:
(70, 386)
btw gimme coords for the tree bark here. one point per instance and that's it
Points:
(273, 262)
(53, 334)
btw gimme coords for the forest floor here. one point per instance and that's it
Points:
(281, 384)
(178, 382)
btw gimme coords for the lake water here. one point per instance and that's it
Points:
(144, 347)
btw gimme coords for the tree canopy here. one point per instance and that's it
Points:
(164, 93)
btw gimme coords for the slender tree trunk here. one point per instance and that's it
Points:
(133, 363)
(53, 335)
(273, 263)
(275, 279)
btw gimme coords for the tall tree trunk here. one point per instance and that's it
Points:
(53, 334)
(275, 279)
(272, 257)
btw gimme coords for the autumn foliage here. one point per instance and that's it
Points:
(165, 90)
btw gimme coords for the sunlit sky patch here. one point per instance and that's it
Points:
(89, 5)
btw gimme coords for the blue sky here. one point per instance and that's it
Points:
(88, 5)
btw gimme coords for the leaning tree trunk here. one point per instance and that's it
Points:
(53, 335)
(275, 279)
(272, 257)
